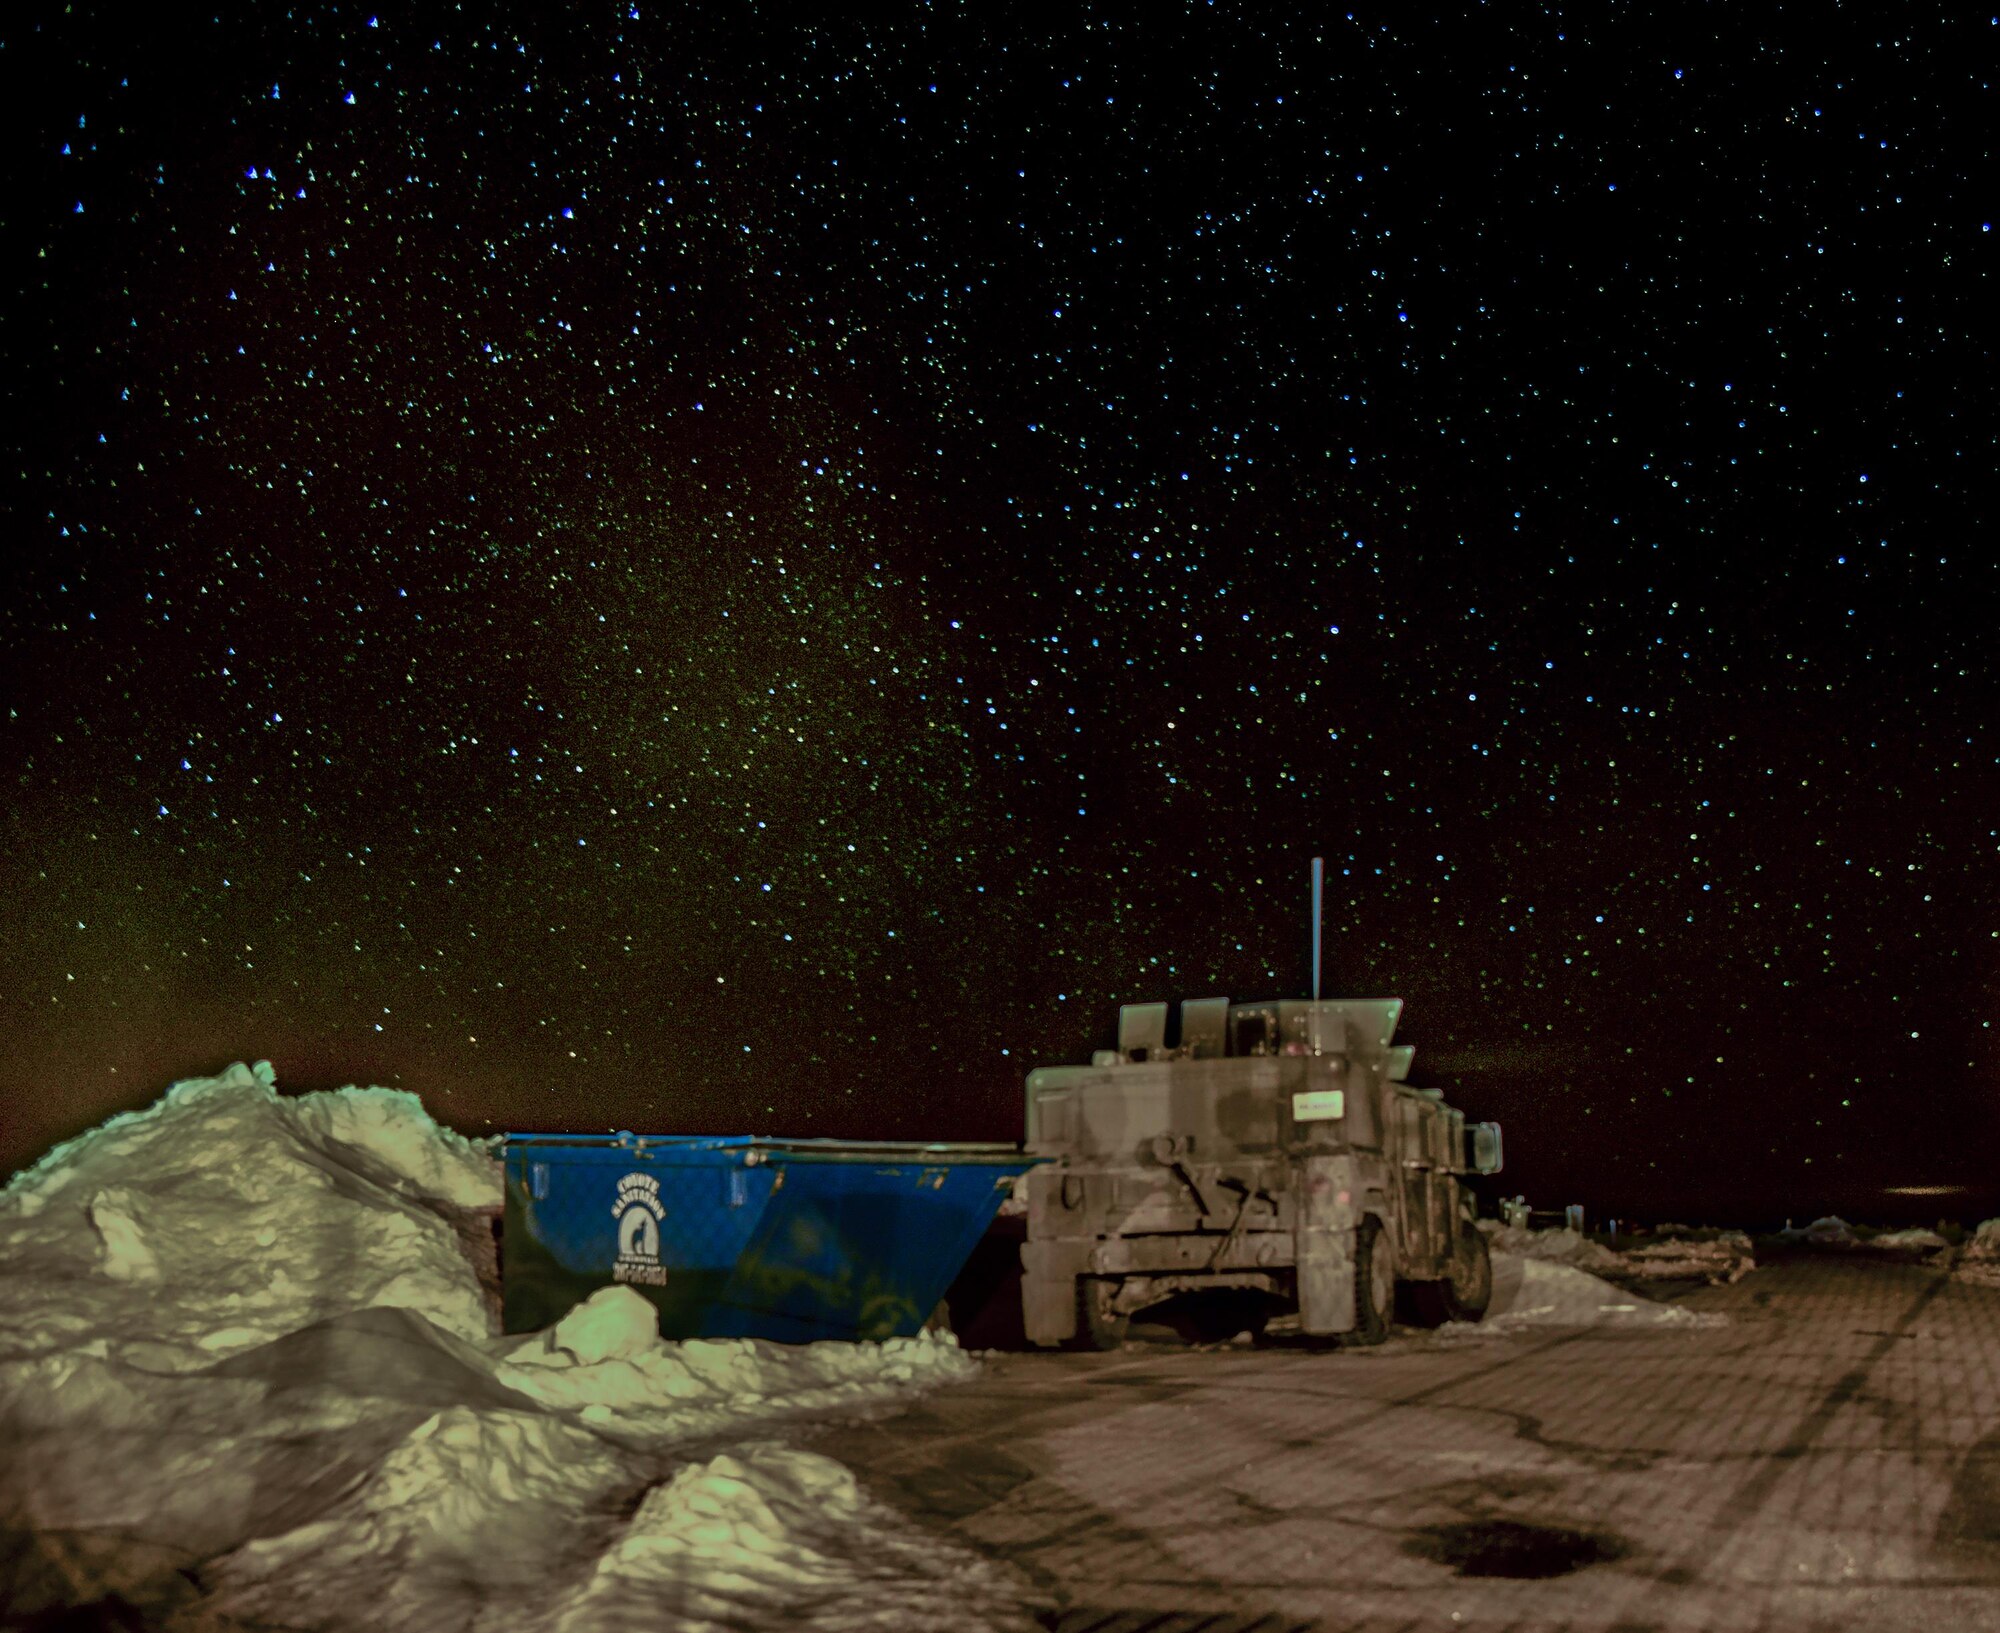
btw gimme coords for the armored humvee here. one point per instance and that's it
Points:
(1273, 1148)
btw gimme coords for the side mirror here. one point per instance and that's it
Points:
(1483, 1143)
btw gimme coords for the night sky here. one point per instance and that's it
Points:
(657, 566)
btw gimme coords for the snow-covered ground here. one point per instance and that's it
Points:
(1673, 1254)
(249, 1378)
(1549, 1277)
(1531, 1292)
(1546, 1278)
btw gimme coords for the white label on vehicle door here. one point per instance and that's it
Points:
(1318, 1105)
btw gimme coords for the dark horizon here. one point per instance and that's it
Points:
(640, 569)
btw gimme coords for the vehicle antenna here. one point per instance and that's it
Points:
(1319, 871)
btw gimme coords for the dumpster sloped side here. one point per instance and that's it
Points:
(859, 1251)
(740, 1237)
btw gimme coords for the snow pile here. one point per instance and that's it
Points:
(1978, 1260)
(606, 1363)
(1563, 1246)
(246, 1374)
(1722, 1259)
(223, 1216)
(1919, 1239)
(771, 1529)
(1833, 1231)
(1830, 1231)
(1984, 1242)
(1537, 1293)
(760, 1536)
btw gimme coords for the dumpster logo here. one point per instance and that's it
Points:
(639, 1213)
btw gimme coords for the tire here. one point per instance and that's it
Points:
(1469, 1286)
(1374, 1284)
(1465, 1290)
(1098, 1326)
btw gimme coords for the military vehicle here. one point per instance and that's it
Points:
(1274, 1150)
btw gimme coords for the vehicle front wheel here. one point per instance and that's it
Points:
(1466, 1288)
(1469, 1284)
(1374, 1283)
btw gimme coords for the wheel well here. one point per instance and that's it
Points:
(1374, 1207)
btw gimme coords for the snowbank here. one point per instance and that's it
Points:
(1927, 1241)
(606, 1363)
(1724, 1258)
(222, 1216)
(1978, 1260)
(763, 1535)
(1535, 1293)
(1833, 1231)
(1829, 1231)
(1563, 1246)
(1984, 1242)
(247, 1376)
(1716, 1257)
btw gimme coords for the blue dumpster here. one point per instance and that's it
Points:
(745, 1237)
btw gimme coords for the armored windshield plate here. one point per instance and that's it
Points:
(1142, 1026)
(1204, 1024)
(1318, 1105)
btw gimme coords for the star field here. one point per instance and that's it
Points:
(660, 567)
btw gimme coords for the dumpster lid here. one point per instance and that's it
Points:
(765, 1147)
